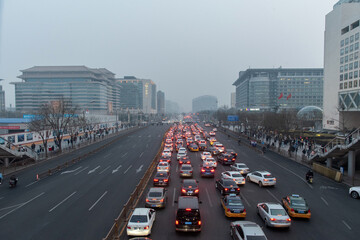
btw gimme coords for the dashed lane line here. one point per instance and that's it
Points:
(243, 197)
(273, 196)
(97, 201)
(127, 169)
(30, 184)
(141, 154)
(324, 201)
(208, 195)
(124, 155)
(81, 170)
(104, 170)
(347, 225)
(173, 202)
(23, 204)
(62, 202)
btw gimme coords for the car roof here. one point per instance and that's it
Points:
(162, 174)
(187, 181)
(274, 205)
(140, 211)
(233, 172)
(249, 228)
(156, 189)
(188, 202)
(264, 172)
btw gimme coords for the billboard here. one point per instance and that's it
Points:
(232, 118)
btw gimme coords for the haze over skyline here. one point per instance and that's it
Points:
(188, 48)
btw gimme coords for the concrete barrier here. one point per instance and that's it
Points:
(328, 172)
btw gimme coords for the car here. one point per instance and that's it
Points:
(165, 159)
(296, 206)
(207, 171)
(233, 206)
(213, 150)
(168, 141)
(207, 124)
(226, 159)
(204, 155)
(193, 147)
(212, 140)
(169, 146)
(190, 187)
(188, 218)
(246, 230)
(212, 134)
(202, 145)
(253, 143)
(215, 129)
(273, 214)
(232, 152)
(227, 186)
(166, 153)
(210, 161)
(163, 167)
(219, 146)
(354, 192)
(184, 160)
(240, 167)
(161, 179)
(263, 178)
(140, 222)
(182, 152)
(156, 198)
(186, 170)
(234, 175)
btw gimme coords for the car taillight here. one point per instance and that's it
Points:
(168, 161)
(181, 172)
(190, 186)
(212, 170)
(161, 200)
(180, 162)
(244, 210)
(197, 190)
(147, 200)
(234, 179)
(128, 227)
(147, 227)
(265, 180)
(156, 180)
(202, 170)
(272, 219)
(228, 210)
(226, 189)
(274, 179)
(177, 222)
(158, 167)
(199, 222)
(309, 211)
(292, 210)
(165, 180)
(184, 191)
(190, 171)
(238, 189)
(289, 220)
(188, 209)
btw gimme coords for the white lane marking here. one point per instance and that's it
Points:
(324, 201)
(173, 202)
(71, 171)
(62, 202)
(273, 196)
(93, 170)
(139, 136)
(98, 200)
(141, 154)
(23, 204)
(1, 209)
(347, 225)
(302, 178)
(124, 155)
(107, 155)
(30, 184)
(177, 167)
(127, 169)
(116, 169)
(1, 198)
(139, 169)
(208, 195)
(81, 170)
(242, 196)
(104, 170)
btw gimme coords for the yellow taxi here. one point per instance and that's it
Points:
(212, 140)
(193, 147)
(233, 206)
(296, 206)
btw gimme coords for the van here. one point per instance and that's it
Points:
(188, 217)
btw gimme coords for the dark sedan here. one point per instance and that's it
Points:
(207, 171)
(227, 186)
(190, 187)
(226, 158)
(161, 179)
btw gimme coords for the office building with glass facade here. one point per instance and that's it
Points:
(137, 95)
(341, 66)
(204, 103)
(271, 89)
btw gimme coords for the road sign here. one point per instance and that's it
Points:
(232, 118)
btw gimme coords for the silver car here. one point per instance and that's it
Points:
(273, 214)
(156, 198)
(186, 170)
(240, 167)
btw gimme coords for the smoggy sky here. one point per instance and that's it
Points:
(188, 48)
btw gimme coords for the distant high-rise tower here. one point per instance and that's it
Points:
(160, 102)
(2, 99)
(204, 103)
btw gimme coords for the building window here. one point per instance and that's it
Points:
(346, 50)
(356, 36)
(342, 43)
(355, 74)
(356, 64)
(346, 58)
(341, 86)
(355, 24)
(352, 39)
(345, 76)
(341, 77)
(357, 46)
(355, 83)
(356, 55)
(351, 47)
(350, 66)
(351, 57)
(341, 51)
(350, 84)
(344, 30)
(341, 68)
(350, 75)
(346, 67)
(345, 85)
(346, 41)
(341, 60)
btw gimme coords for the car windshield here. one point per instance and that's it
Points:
(268, 176)
(229, 183)
(160, 175)
(255, 237)
(138, 219)
(192, 215)
(235, 202)
(278, 212)
(242, 166)
(155, 194)
(298, 203)
(237, 175)
(186, 168)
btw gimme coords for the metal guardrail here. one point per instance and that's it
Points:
(67, 164)
(120, 222)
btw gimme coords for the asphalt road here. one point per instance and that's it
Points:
(80, 202)
(334, 214)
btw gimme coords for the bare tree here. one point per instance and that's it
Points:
(40, 126)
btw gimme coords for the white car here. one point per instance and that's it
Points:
(246, 230)
(204, 155)
(181, 153)
(209, 161)
(219, 146)
(166, 153)
(163, 167)
(240, 167)
(215, 129)
(141, 222)
(273, 214)
(263, 178)
(354, 192)
(236, 176)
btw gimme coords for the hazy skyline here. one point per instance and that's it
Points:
(188, 48)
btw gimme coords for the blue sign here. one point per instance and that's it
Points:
(28, 116)
(232, 118)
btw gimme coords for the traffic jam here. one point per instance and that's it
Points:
(181, 141)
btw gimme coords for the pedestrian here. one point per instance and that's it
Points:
(33, 147)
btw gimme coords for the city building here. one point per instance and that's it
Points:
(92, 90)
(204, 103)
(137, 95)
(341, 67)
(284, 88)
(233, 100)
(160, 102)
(2, 99)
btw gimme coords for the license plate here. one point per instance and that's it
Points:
(236, 211)
(270, 180)
(233, 190)
(154, 205)
(190, 191)
(301, 211)
(188, 223)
